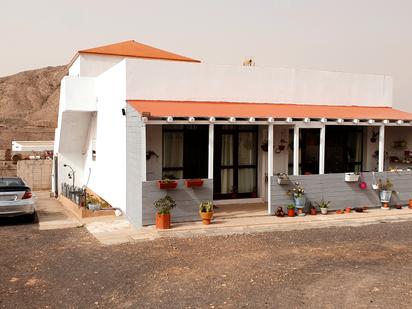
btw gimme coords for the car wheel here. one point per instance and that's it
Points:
(32, 218)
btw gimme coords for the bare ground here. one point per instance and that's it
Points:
(362, 267)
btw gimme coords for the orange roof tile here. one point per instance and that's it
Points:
(260, 110)
(137, 50)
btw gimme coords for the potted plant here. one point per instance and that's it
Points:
(313, 210)
(291, 210)
(323, 205)
(206, 211)
(283, 178)
(348, 210)
(167, 184)
(410, 204)
(190, 183)
(163, 207)
(298, 194)
(385, 193)
(280, 212)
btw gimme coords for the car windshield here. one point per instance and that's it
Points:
(11, 182)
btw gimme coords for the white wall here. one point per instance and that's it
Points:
(108, 172)
(94, 65)
(162, 80)
(77, 94)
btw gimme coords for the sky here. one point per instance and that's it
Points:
(357, 36)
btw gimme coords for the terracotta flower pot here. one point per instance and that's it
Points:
(206, 217)
(162, 221)
(410, 204)
(291, 212)
(167, 184)
(313, 211)
(348, 210)
(339, 211)
(190, 183)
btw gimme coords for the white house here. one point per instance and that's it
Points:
(131, 114)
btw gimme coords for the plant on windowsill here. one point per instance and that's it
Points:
(323, 205)
(298, 194)
(206, 211)
(385, 192)
(167, 184)
(163, 207)
(190, 183)
(291, 210)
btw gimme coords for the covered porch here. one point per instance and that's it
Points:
(238, 149)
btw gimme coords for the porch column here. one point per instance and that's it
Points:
(381, 158)
(296, 150)
(211, 153)
(270, 165)
(143, 152)
(322, 150)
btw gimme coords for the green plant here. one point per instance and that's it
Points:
(323, 203)
(206, 206)
(168, 180)
(385, 186)
(297, 190)
(164, 205)
(290, 206)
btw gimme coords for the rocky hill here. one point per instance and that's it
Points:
(29, 105)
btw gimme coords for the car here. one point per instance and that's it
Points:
(16, 198)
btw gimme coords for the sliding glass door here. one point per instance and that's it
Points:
(235, 162)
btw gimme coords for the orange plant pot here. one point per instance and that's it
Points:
(410, 204)
(166, 185)
(339, 211)
(348, 210)
(162, 221)
(291, 212)
(190, 183)
(206, 217)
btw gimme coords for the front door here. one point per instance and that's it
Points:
(235, 162)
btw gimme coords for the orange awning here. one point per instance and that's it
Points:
(264, 110)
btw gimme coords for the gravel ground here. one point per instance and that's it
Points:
(359, 267)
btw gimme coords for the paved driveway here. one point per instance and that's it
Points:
(339, 267)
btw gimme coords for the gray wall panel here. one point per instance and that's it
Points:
(187, 200)
(332, 187)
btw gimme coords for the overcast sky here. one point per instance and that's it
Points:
(359, 36)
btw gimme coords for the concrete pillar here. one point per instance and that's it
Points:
(211, 150)
(270, 164)
(296, 151)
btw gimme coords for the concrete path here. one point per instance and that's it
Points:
(51, 214)
(118, 230)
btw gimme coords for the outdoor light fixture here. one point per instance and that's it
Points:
(191, 119)
(340, 120)
(289, 119)
(145, 119)
(251, 119)
(386, 121)
(355, 121)
(232, 119)
(399, 121)
(306, 120)
(370, 121)
(169, 119)
(71, 175)
(271, 119)
(212, 119)
(323, 120)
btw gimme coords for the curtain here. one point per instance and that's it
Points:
(247, 180)
(226, 159)
(173, 153)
